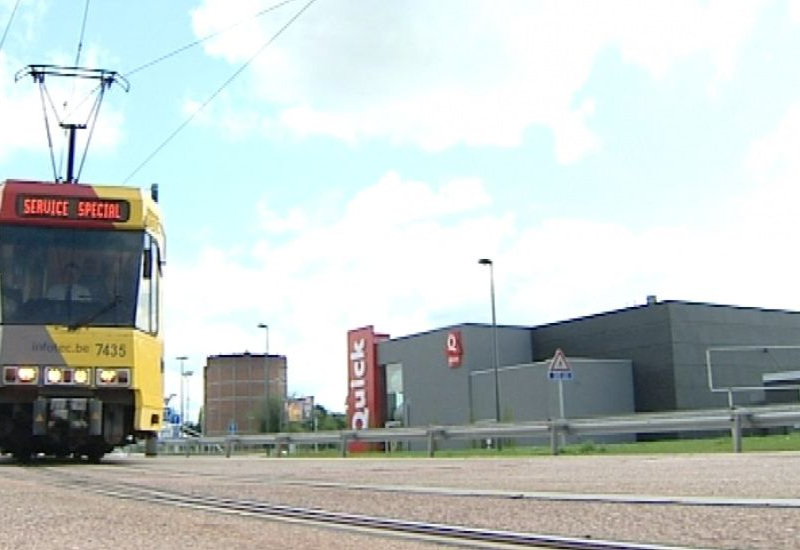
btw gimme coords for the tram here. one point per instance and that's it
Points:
(81, 348)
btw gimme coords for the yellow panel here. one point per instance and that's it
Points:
(108, 347)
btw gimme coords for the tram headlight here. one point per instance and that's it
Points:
(9, 375)
(81, 376)
(113, 377)
(55, 375)
(107, 376)
(27, 374)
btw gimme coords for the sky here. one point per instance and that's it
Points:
(350, 169)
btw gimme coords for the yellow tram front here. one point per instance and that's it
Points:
(81, 350)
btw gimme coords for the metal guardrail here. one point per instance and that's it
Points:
(735, 420)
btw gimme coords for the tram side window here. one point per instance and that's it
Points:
(148, 303)
(11, 283)
(155, 282)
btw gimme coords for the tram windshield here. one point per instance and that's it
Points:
(71, 277)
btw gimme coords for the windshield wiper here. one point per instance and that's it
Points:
(115, 301)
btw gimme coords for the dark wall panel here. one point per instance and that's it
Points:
(640, 334)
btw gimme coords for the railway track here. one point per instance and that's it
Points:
(551, 496)
(437, 533)
(298, 497)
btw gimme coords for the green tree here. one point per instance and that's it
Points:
(327, 420)
(269, 417)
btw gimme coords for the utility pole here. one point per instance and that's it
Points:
(182, 358)
(266, 376)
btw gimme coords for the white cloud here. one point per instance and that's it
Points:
(768, 218)
(401, 254)
(438, 74)
(743, 252)
(775, 158)
(394, 202)
(305, 121)
(194, 109)
(26, 22)
(246, 37)
(794, 10)
(20, 108)
(272, 222)
(400, 250)
(657, 34)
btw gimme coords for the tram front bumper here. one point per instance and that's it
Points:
(80, 413)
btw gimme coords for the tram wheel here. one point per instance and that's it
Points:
(94, 456)
(23, 456)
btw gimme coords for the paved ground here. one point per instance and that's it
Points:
(505, 494)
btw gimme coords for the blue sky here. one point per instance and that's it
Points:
(358, 167)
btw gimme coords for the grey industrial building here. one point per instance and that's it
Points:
(645, 358)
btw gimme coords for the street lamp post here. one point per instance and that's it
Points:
(182, 358)
(487, 261)
(187, 374)
(266, 374)
(167, 399)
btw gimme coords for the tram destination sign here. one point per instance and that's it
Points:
(73, 208)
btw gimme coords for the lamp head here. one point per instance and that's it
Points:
(485, 261)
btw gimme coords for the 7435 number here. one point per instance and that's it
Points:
(111, 350)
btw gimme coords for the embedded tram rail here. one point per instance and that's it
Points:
(437, 533)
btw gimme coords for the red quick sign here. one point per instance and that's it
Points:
(365, 403)
(359, 411)
(454, 350)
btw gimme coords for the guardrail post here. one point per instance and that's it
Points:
(431, 442)
(228, 447)
(151, 445)
(736, 431)
(343, 447)
(554, 429)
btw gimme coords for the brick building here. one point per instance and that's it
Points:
(236, 389)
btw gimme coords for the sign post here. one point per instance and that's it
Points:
(560, 370)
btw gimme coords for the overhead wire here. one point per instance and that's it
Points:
(219, 90)
(176, 51)
(207, 37)
(83, 32)
(8, 25)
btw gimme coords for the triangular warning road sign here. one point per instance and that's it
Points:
(559, 368)
(559, 362)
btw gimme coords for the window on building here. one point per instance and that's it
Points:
(394, 393)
